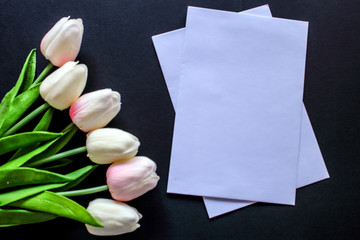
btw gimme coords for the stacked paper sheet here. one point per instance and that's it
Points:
(242, 134)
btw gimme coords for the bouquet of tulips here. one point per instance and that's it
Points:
(31, 190)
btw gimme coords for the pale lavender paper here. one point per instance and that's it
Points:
(248, 112)
(168, 47)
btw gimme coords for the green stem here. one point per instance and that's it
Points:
(57, 156)
(71, 125)
(43, 74)
(26, 119)
(84, 191)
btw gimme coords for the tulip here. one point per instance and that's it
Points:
(107, 145)
(62, 43)
(61, 88)
(116, 217)
(95, 109)
(130, 179)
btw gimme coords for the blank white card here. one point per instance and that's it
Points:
(241, 89)
(311, 165)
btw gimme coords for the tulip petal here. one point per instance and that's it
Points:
(95, 109)
(63, 87)
(130, 179)
(107, 145)
(62, 43)
(50, 35)
(116, 217)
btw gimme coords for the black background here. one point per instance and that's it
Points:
(119, 53)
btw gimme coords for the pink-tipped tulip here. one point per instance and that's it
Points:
(95, 109)
(130, 179)
(62, 43)
(61, 88)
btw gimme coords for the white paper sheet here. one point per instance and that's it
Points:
(169, 48)
(251, 121)
(169, 52)
(311, 164)
(311, 169)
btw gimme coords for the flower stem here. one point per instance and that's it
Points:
(71, 125)
(26, 119)
(57, 156)
(43, 74)
(84, 191)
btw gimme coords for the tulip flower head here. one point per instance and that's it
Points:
(61, 88)
(116, 217)
(62, 43)
(130, 179)
(95, 109)
(107, 145)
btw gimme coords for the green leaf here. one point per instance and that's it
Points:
(29, 176)
(58, 205)
(14, 195)
(23, 159)
(9, 97)
(43, 125)
(58, 145)
(45, 121)
(85, 172)
(9, 196)
(57, 164)
(80, 172)
(13, 142)
(28, 71)
(5, 106)
(14, 217)
(19, 106)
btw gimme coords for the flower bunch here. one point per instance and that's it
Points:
(31, 190)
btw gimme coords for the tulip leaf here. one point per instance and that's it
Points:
(58, 205)
(14, 217)
(13, 142)
(14, 195)
(10, 196)
(22, 176)
(19, 106)
(58, 163)
(85, 172)
(5, 106)
(27, 73)
(43, 125)
(80, 172)
(13, 163)
(24, 158)
(28, 62)
(58, 145)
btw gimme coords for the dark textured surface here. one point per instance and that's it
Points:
(118, 51)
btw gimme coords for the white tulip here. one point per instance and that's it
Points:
(107, 145)
(116, 217)
(63, 87)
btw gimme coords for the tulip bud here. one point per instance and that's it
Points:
(107, 145)
(130, 179)
(116, 217)
(61, 88)
(62, 43)
(95, 109)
